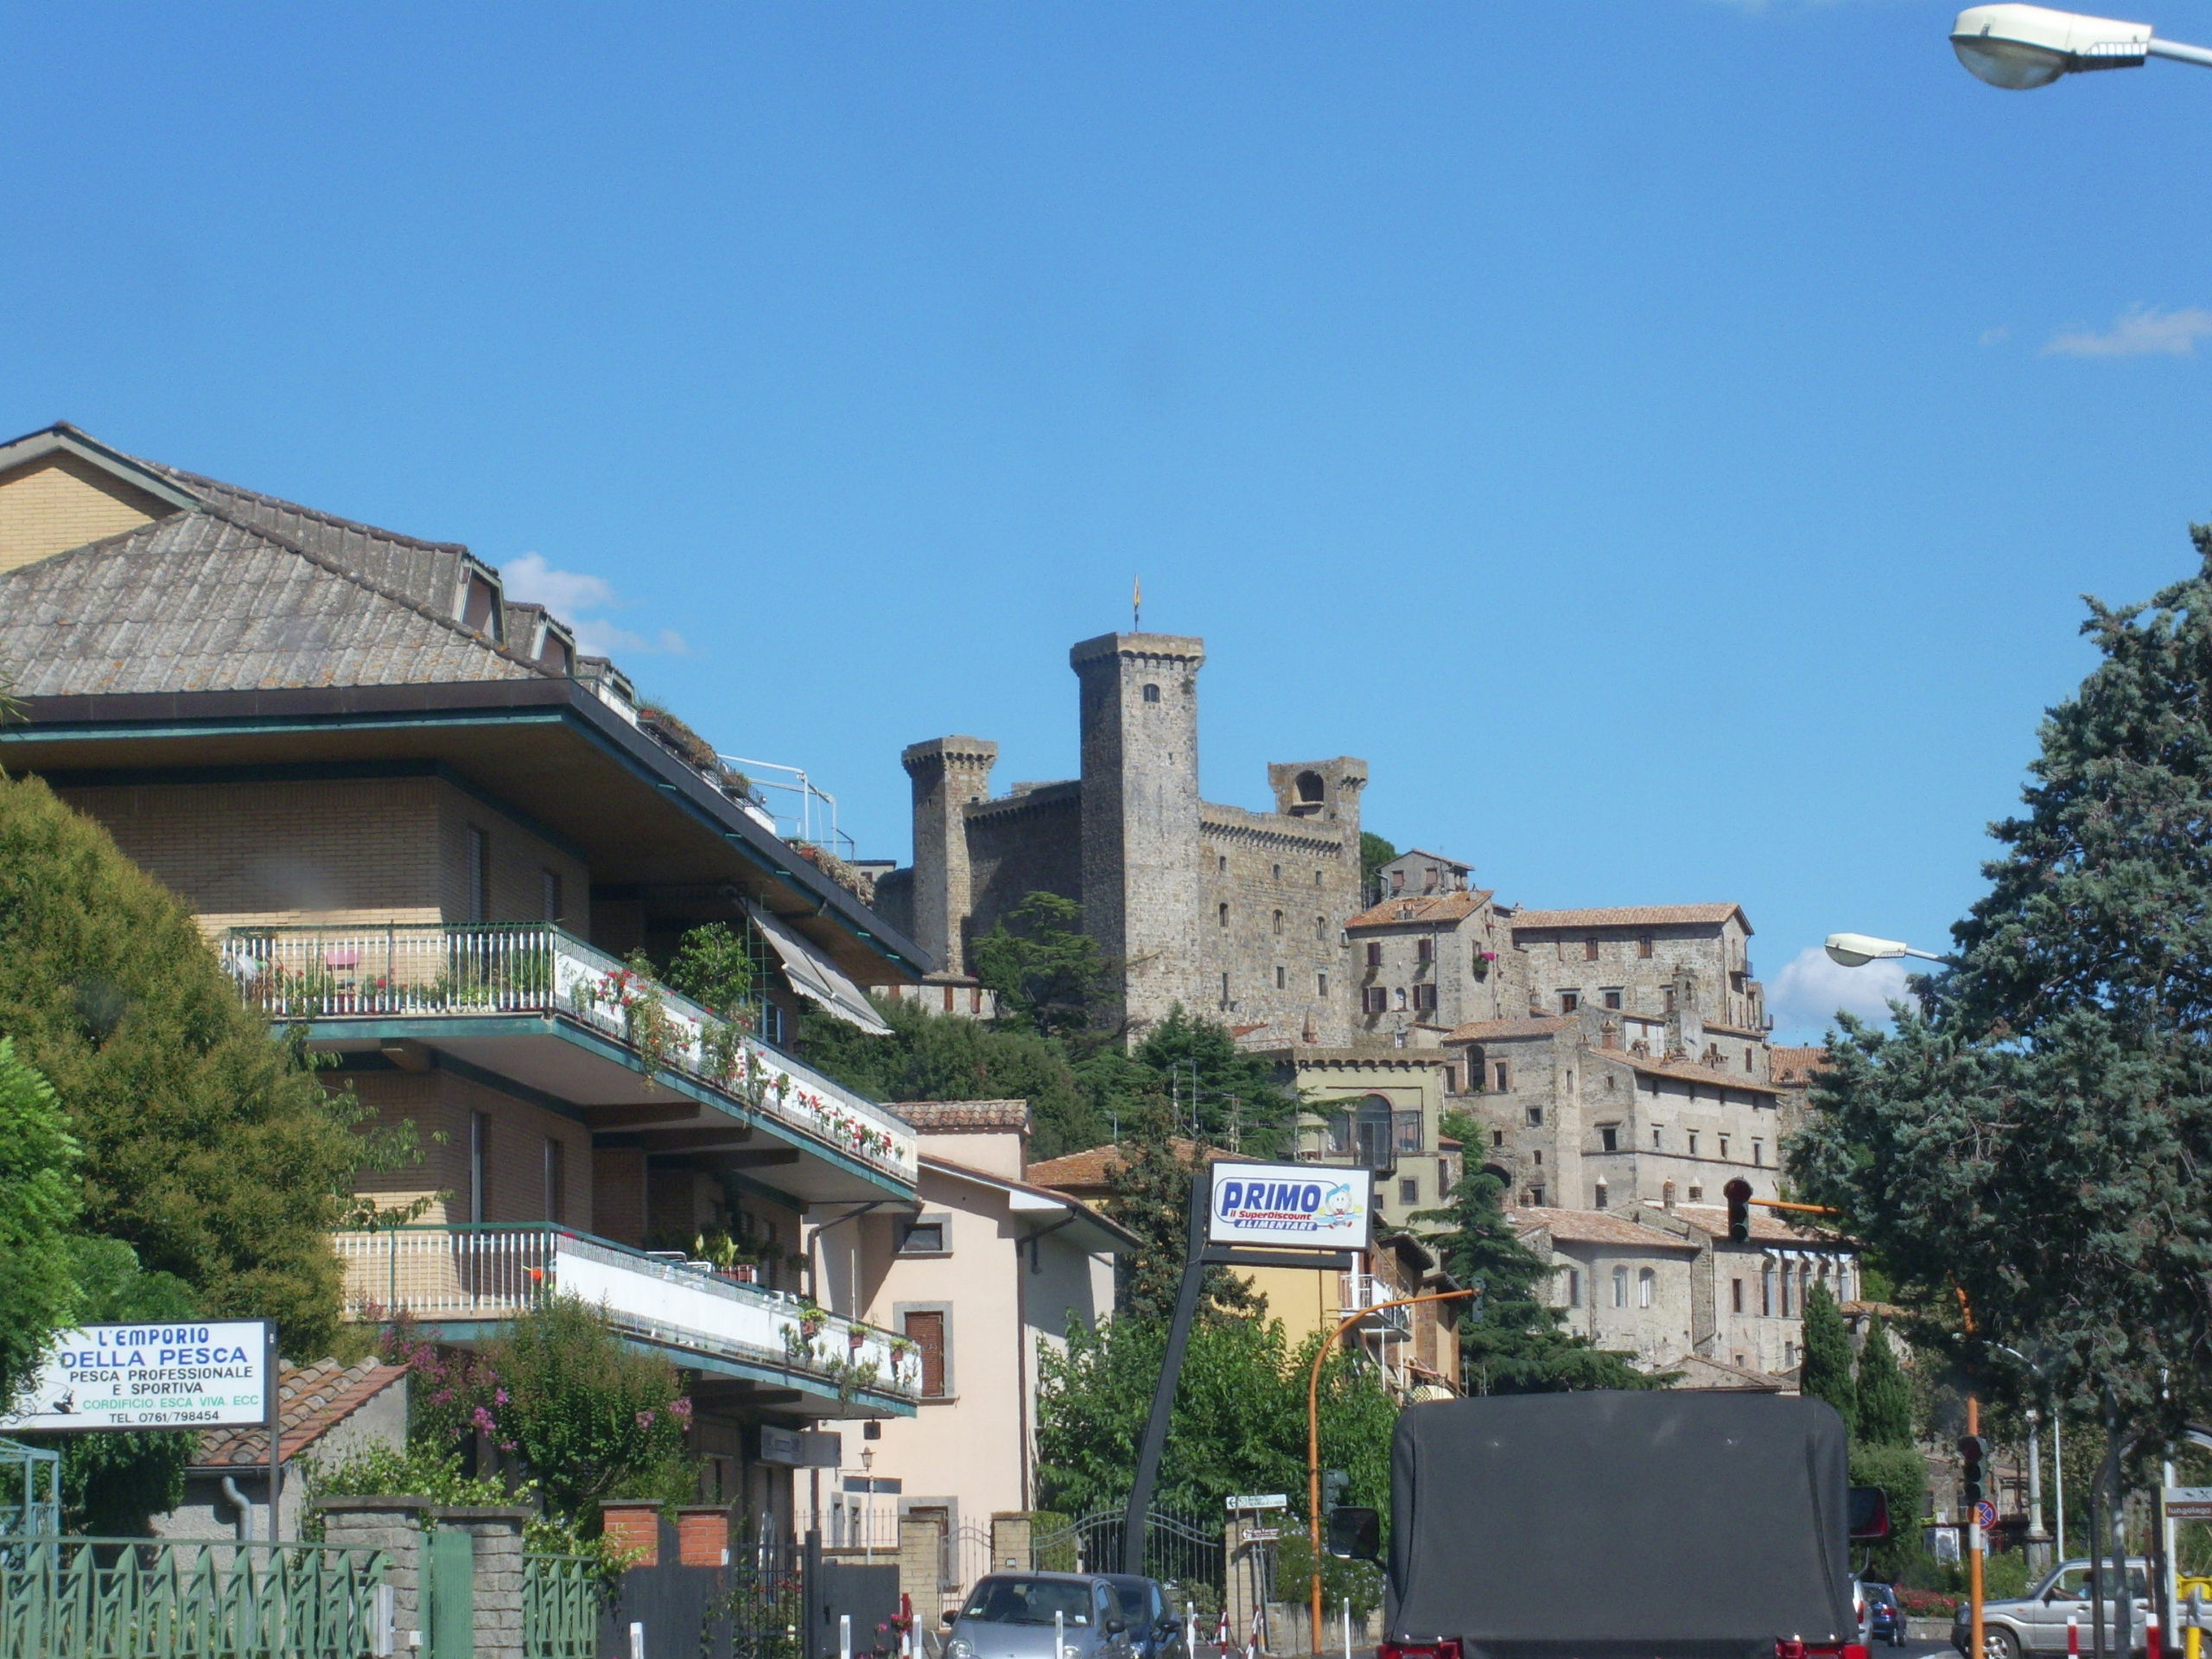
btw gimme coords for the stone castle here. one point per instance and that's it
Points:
(1233, 914)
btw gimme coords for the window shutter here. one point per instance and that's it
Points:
(927, 1332)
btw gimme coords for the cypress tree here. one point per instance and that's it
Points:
(1827, 1373)
(1885, 1416)
(2035, 1134)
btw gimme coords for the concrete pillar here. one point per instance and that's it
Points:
(921, 1569)
(497, 1536)
(393, 1525)
(1010, 1540)
(948, 773)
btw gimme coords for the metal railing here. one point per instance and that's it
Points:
(180, 1599)
(1364, 1290)
(490, 1272)
(430, 969)
(561, 1602)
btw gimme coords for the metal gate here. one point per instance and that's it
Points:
(449, 1587)
(967, 1558)
(1185, 1551)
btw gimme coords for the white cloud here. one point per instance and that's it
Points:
(573, 596)
(2140, 331)
(1996, 336)
(1809, 991)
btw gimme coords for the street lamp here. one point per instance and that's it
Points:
(2019, 47)
(1857, 949)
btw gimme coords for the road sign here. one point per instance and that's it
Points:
(187, 1375)
(1265, 1501)
(2188, 1502)
(1261, 1535)
(1985, 1514)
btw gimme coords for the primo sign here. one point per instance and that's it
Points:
(1303, 1205)
(182, 1373)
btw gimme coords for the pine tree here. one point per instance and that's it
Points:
(1884, 1414)
(1150, 1191)
(1827, 1373)
(1509, 1340)
(2035, 1137)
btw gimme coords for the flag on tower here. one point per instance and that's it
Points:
(1136, 605)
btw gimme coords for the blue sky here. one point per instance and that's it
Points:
(1667, 440)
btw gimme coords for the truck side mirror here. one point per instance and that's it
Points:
(1354, 1535)
(1870, 1514)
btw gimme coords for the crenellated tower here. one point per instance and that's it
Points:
(948, 773)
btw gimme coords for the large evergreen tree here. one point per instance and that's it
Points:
(38, 1204)
(206, 1148)
(1884, 1415)
(1511, 1339)
(1826, 1374)
(1046, 971)
(2036, 1135)
(1150, 1187)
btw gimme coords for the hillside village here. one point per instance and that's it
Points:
(427, 836)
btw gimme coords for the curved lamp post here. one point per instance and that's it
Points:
(2020, 48)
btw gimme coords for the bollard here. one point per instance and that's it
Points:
(2150, 1634)
(844, 1635)
(1190, 1631)
(1059, 1636)
(637, 1642)
(1347, 1628)
(2073, 1635)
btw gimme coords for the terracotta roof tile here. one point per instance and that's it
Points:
(316, 1399)
(1688, 1071)
(1767, 1228)
(1404, 908)
(1088, 1169)
(1596, 1227)
(964, 1116)
(1795, 1066)
(1537, 1025)
(1631, 916)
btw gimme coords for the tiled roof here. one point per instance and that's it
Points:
(1756, 1035)
(1767, 1228)
(316, 1399)
(1631, 916)
(1078, 1171)
(1595, 1227)
(1794, 1065)
(964, 1116)
(199, 602)
(1537, 1025)
(1406, 908)
(1687, 1071)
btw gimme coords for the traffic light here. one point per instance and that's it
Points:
(1335, 1486)
(1739, 1210)
(1970, 1455)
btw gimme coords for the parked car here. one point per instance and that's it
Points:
(1885, 1618)
(2035, 1623)
(1155, 1628)
(1020, 1615)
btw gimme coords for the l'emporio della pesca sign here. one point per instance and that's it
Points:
(184, 1373)
(1302, 1205)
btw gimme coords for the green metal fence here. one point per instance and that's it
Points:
(560, 1607)
(180, 1599)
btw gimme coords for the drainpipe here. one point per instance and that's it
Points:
(238, 1501)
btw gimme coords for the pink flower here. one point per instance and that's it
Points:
(498, 1397)
(645, 1420)
(681, 1408)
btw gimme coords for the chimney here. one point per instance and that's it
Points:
(1666, 1196)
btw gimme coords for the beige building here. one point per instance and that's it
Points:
(981, 1279)
(1378, 1108)
(1431, 962)
(1415, 1349)
(1648, 959)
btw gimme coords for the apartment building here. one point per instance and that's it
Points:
(422, 828)
(1380, 1110)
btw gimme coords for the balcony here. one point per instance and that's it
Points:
(1362, 1291)
(534, 1003)
(463, 1281)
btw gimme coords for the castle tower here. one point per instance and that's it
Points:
(948, 772)
(1141, 883)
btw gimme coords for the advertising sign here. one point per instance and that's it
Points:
(189, 1374)
(1303, 1206)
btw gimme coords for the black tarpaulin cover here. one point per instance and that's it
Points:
(1658, 1525)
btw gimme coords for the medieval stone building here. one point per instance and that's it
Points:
(1235, 914)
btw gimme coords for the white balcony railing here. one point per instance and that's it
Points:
(430, 969)
(1361, 1291)
(492, 1272)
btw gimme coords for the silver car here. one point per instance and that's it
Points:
(1022, 1615)
(2035, 1623)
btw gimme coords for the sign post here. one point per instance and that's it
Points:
(1308, 1216)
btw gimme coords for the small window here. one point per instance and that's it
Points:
(1759, 1152)
(1643, 947)
(1589, 949)
(1221, 863)
(1283, 977)
(1425, 997)
(1375, 999)
(1535, 1117)
(1668, 996)
(1766, 1291)
(1320, 927)
(1224, 915)
(1224, 991)
(1788, 1355)
(1397, 880)
(1645, 1282)
(1400, 996)
(1540, 1157)
(1317, 878)
(922, 1236)
(480, 1166)
(1573, 1287)
(1697, 1195)
(1747, 1059)
(1600, 1196)
(1497, 1137)
(1657, 1144)
(1536, 1198)
(1278, 872)
(550, 908)
(1375, 953)
(1735, 1295)
(1693, 1143)
(1620, 1286)
(478, 875)
(557, 1179)
(1408, 1192)
(1569, 1001)
(1500, 1073)
(1724, 1148)
(1278, 921)
(1613, 999)
(1151, 694)
(1321, 985)
(1425, 950)
(1609, 1137)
